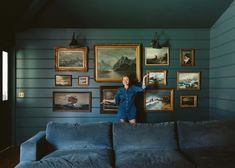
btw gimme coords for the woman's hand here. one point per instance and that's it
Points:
(143, 83)
(145, 76)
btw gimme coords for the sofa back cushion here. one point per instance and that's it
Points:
(206, 134)
(79, 136)
(160, 136)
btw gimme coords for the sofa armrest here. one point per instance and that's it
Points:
(35, 148)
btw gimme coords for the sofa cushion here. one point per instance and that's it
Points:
(89, 158)
(206, 134)
(151, 159)
(144, 136)
(212, 157)
(79, 136)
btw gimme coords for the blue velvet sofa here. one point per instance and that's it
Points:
(182, 144)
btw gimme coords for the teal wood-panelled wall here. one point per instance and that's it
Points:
(222, 66)
(35, 74)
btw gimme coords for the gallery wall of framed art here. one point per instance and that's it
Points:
(112, 61)
(38, 77)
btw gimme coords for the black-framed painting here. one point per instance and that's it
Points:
(63, 80)
(107, 99)
(112, 61)
(71, 59)
(188, 101)
(188, 80)
(157, 56)
(72, 101)
(159, 100)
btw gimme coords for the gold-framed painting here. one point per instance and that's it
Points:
(156, 56)
(188, 80)
(63, 80)
(188, 101)
(187, 57)
(156, 77)
(71, 59)
(112, 61)
(159, 100)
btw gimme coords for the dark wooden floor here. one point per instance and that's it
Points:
(9, 157)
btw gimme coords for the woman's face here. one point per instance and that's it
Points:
(125, 80)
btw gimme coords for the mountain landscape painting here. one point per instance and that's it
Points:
(114, 61)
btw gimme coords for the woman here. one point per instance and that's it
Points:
(125, 100)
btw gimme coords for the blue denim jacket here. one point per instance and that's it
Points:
(125, 101)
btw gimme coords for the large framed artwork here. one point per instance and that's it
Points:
(156, 57)
(187, 57)
(107, 99)
(63, 80)
(156, 77)
(72, 101)
(188, 80)
(71, 59)
(113, 61)
(188, 101)
(159, 100)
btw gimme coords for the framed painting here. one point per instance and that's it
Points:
(107, 99)
(63, 80)
(156, 77)
(71, 59)
(188, 80)
(188, 101)
(187, 57)
(83, 80)
(114, 61)
(159, 100)
(156, 57)
(72, 101)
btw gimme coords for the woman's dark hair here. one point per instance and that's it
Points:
(132, 79)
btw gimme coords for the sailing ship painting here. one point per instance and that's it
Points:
(156, 56)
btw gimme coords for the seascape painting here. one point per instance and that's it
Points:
(71, 59)
(156, 57)
(113, 61)
(63, 80)
(159, 100)
(156, 77)
(72, 101)
(188, 101)
(188, 80)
